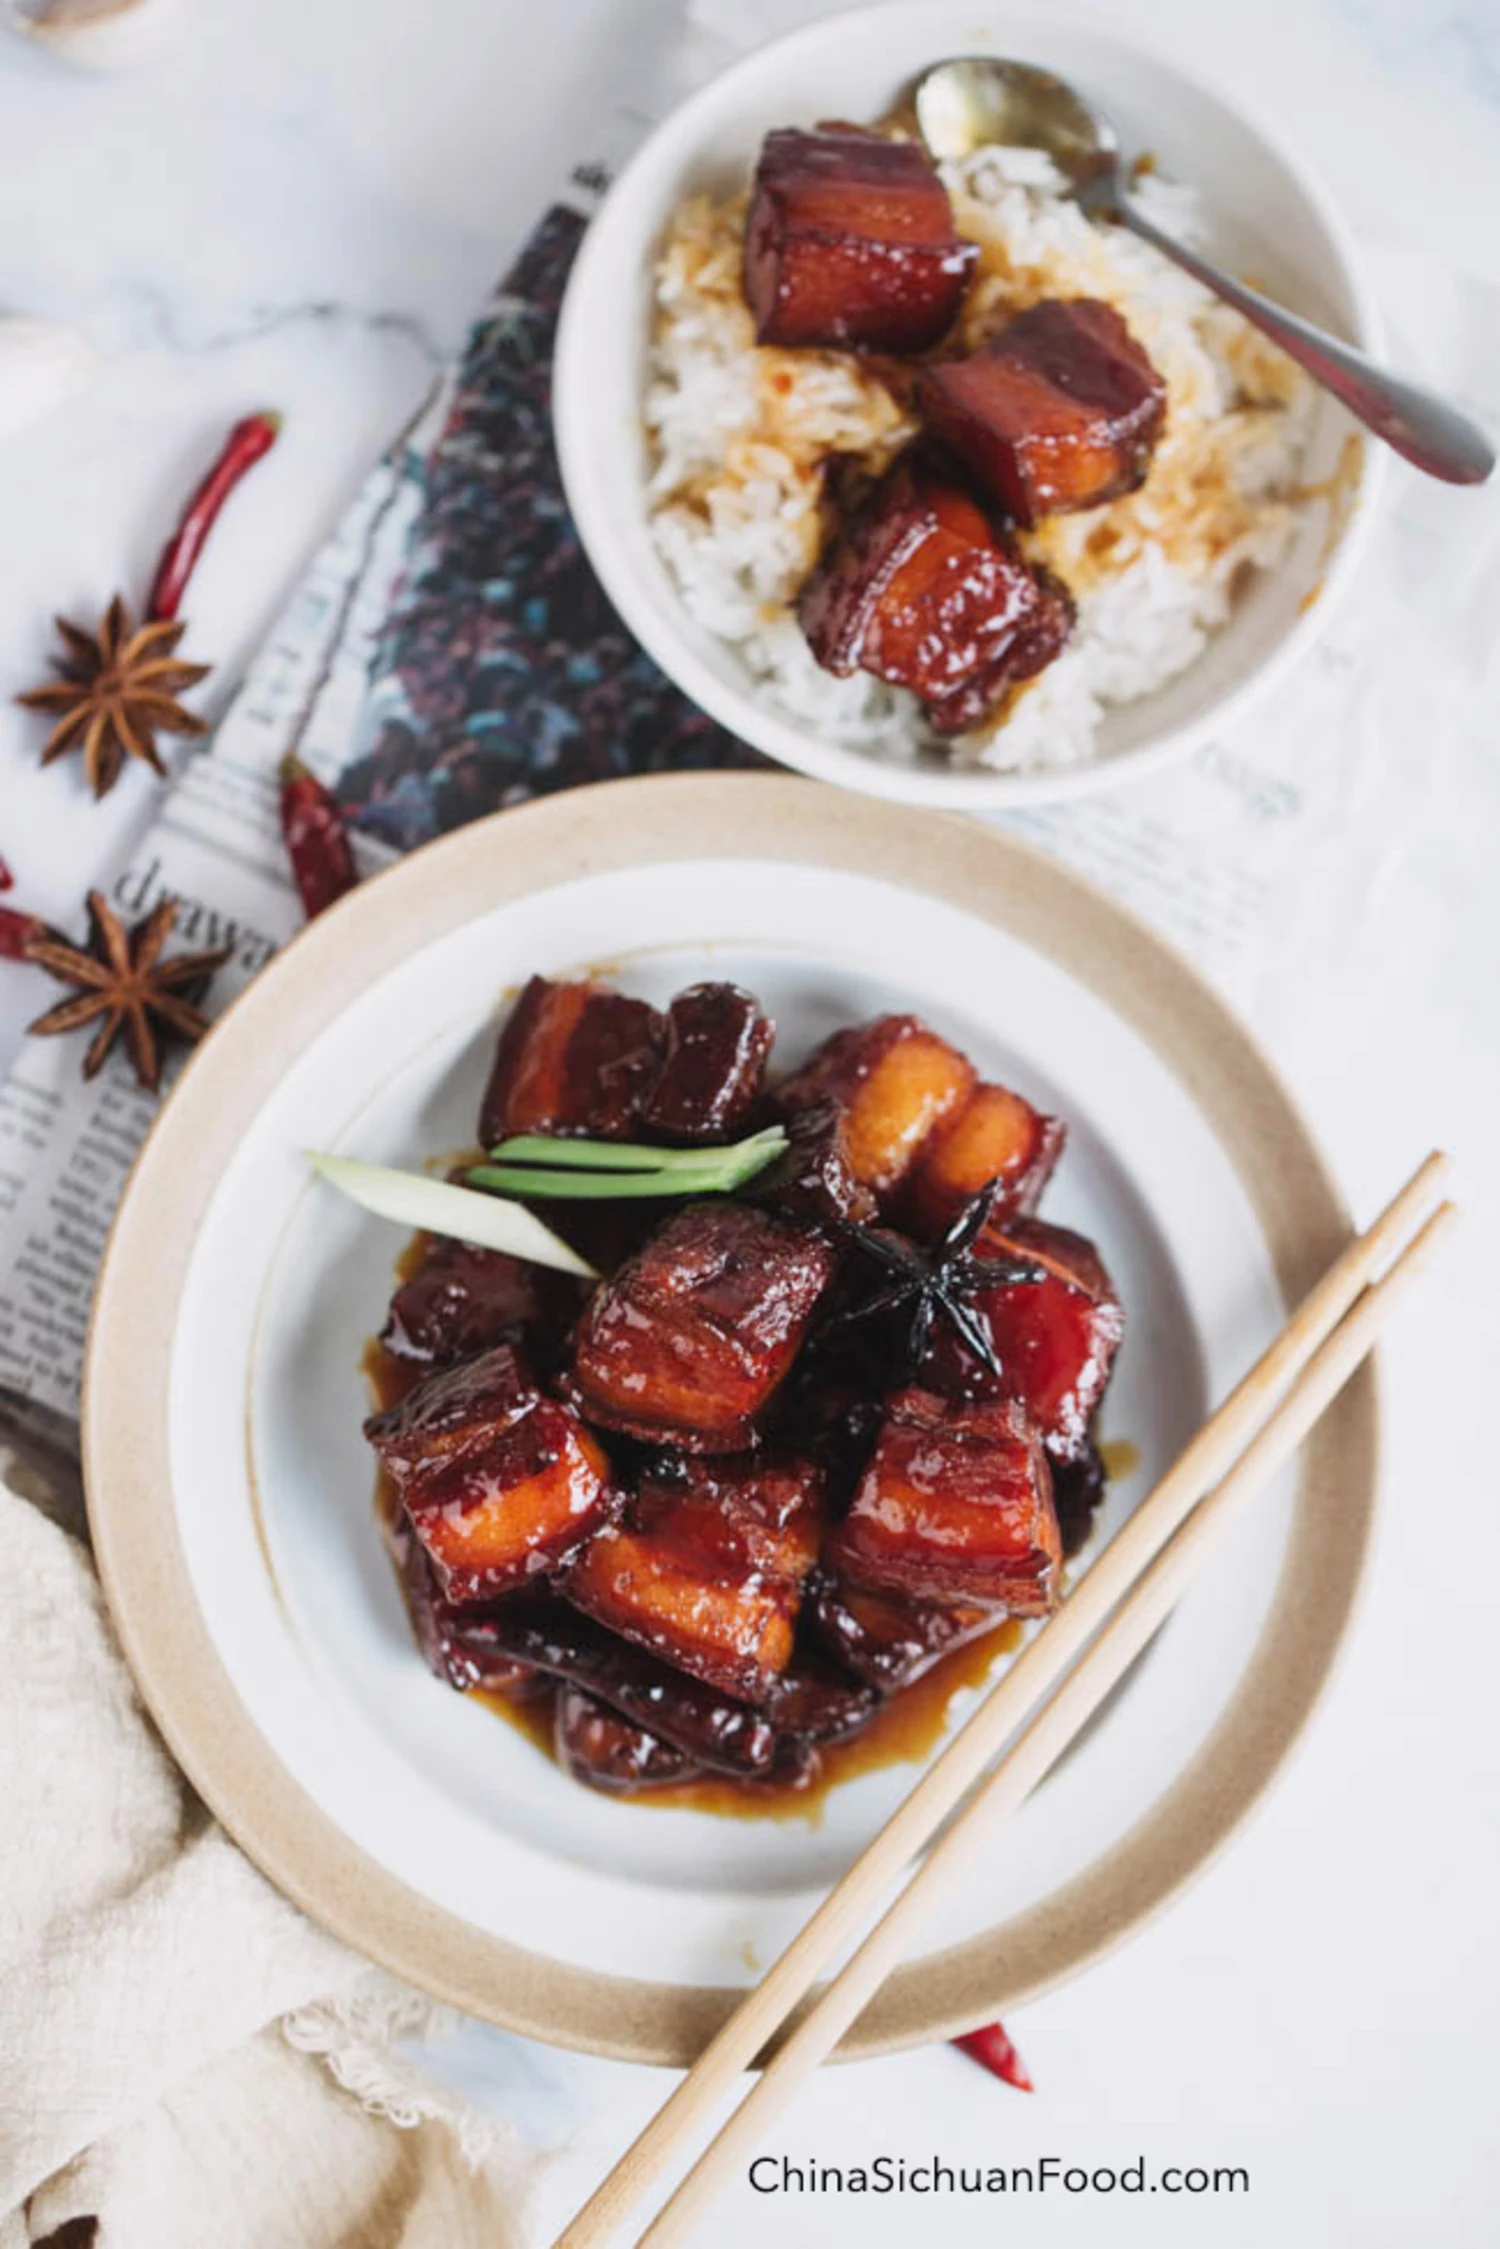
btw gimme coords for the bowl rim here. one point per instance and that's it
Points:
(953, 788)
(659, 820)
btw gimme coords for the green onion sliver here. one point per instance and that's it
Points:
(585, 1186)
(434, 1206)
(530, 1164)
(578, 1155)
(631, 1155)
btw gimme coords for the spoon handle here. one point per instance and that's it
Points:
(1419, 426)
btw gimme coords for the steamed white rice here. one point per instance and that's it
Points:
(741, 434)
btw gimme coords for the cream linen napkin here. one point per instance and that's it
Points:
(184, 2058)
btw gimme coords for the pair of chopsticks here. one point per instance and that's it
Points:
(1075, 1659)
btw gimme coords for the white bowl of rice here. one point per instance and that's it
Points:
(694, 461)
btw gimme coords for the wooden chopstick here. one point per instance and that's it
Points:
(1045, 1739)
(1038, 1668)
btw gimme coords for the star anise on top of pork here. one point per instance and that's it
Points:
(921, 1286)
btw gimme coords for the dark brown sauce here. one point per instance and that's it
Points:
(903, 1731)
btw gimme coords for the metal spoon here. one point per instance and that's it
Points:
(974, 101)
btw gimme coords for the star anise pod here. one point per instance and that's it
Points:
(924, 1285)
(116, 691)
(124, 985)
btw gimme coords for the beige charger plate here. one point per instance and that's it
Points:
(515, 854)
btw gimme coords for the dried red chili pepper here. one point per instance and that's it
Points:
(317, 840)
(7, 879)
(991, 2047)
(244, 446)
(15, 930)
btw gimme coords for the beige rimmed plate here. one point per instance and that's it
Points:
(230, 1492)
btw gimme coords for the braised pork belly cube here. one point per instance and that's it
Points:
(706, 1570)
(449, 1413)
(850, 244)
(1078, 1487)
(888, 1639)
(993, 1135)
(712, 1064)
(686, 1344)
(1060, 411)
(603, 1750)
(832, 1413)
(1042, 638)
(955, 1505)
(923, 591)
(460, 1300)
(713, 1729)
(816, 1701)
(1055, 1337)
(501, 1484)
(813, 1180)
(572, 1058)
(442, 1629)
(894, 1081)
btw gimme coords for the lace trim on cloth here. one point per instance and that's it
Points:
(355, 2033)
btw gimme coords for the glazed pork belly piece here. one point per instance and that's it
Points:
(830, 1411)
(816, 1701)
(573, 1058)
(711, 1728)
(888, 1639)
(579, 1059)
(893, 1081)
(706, 1569)
(850, 244)
(1078, 1487)
(712, 1065)
(597, 1746)
(1042, 638)
(922, 590)
(813, 1181)
(461, 1300)
(685, 1345)
(994, 1134)
(1060, 411)
(1055, 1338)
(444, 1631)
(955, 1505)
(500, 1483)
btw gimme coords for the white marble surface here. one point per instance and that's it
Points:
(299, 205)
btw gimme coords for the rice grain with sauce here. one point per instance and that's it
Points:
(742, 437)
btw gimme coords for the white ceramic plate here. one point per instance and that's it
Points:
(231, 1492)
(1269, 218)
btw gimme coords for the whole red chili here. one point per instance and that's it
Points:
(15, 929)
(991, 2047)
(7, 879)
(317, 840)
(243, 447)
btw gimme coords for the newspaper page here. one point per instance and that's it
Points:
(449, 653)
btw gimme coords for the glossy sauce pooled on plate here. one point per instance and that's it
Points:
(739, 1518)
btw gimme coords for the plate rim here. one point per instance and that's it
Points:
(624, 823)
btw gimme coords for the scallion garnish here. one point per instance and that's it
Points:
(435, 1206)
(597, 1170)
